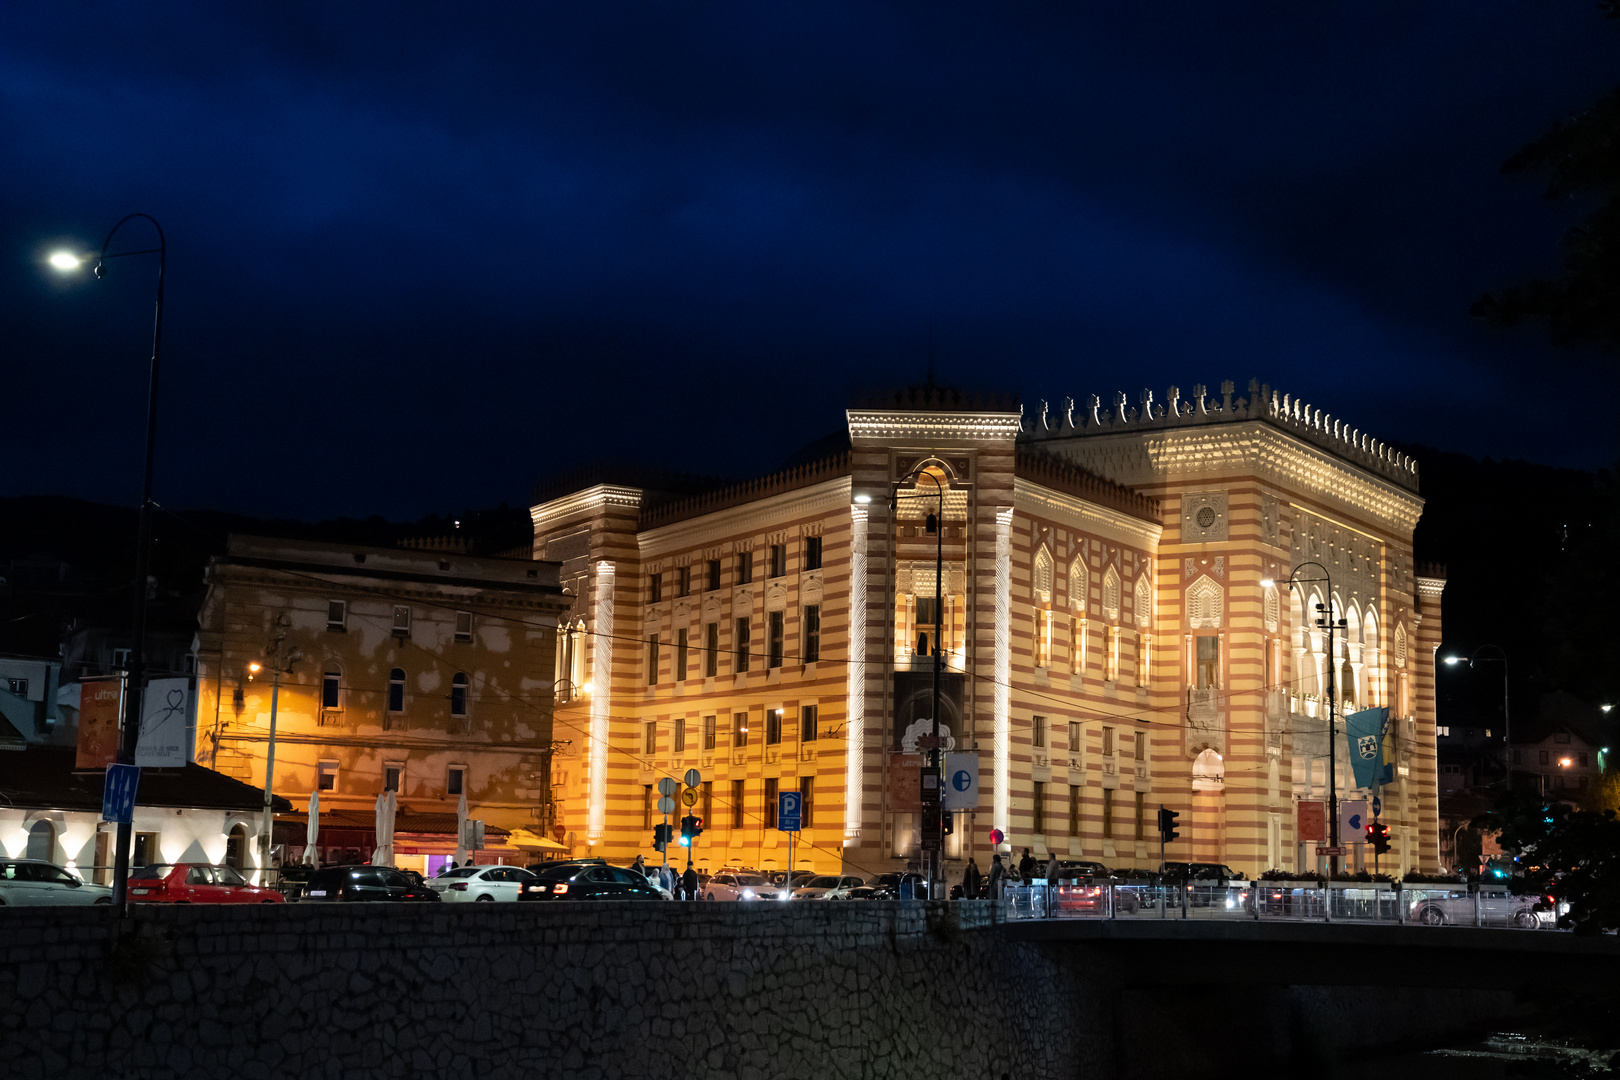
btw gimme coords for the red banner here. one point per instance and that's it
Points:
(99, 717)
(905, 782)
(1312, 822)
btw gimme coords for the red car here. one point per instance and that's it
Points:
(196, 883)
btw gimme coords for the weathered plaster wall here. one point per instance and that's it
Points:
(673, 990)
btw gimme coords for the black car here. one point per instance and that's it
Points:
(887, 886)
(331, 884)
(589, 881)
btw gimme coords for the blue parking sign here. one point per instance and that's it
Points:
(789, 806)
(118, 797)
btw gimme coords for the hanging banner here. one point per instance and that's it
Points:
(1364, 731)
(960, 790)
(167, 725)
(1353, 819)
(100, 709)
(905, 782)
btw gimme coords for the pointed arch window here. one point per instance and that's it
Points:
(1041, 576)
(1079, 583)
(1400, 645)
(1110, 594)
(1273, 609)
(1143, 601)
(1206, 604)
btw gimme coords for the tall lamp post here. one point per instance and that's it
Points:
(932, 840)
(1474, 659)
(66, 261)
(1326, 619)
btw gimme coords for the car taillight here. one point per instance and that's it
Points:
(560, 888)
(458, 886)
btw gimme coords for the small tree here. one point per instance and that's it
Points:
(1569, 855)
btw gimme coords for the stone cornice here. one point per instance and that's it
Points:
(932, 428)
(1100, 520)
(548, 514)
(763, 515)
(1138, 459)
(1428, 586)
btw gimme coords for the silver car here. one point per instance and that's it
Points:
(35, 882)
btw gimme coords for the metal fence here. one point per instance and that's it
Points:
(1261, 901)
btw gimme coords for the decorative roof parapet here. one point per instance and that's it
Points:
(1263, 403)
(748, 491)
(1060, 474)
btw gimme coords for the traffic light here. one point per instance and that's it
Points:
(661, 837)
(691, 829)
(1378, 837)
(947, 824)
(1167, 825)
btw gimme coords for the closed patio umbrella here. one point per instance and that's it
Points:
(461, 829)
(383, 854)
(312, 830)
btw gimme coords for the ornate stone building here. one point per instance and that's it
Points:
(1109, 643)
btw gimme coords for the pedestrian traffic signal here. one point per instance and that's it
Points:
(1167, 825)
(661, 835)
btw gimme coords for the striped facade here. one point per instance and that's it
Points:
(1106, 626)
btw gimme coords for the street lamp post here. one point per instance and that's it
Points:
(1507, 721)
(932, 839)
(280, 664)
(1326, 619)
(136, 675)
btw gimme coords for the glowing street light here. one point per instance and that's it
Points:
(66, 260)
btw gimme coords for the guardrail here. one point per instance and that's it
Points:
(1426, 905)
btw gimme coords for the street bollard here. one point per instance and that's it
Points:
(1400, 905)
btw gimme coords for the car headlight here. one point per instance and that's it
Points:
(748, 894)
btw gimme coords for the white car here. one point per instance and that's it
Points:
(828, 887)
(31, 881)
(470, 884)
(739, 887)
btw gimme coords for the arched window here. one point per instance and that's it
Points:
(1208, 772)
(236, 847)
(396, 690)
(1400, 645)
(1143, 601)
(458, 695)
(1110, 594)
(332, 689)
(42, 842)
(1273, 609)
(1079, 583)
(1206, 603)
(1041, 576)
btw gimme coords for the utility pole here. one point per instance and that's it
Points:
(279, 664)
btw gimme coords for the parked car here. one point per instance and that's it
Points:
(367, 884)
(591, 881)
(827, 886)
(888, 885)
(736, 886)
(195, 883)
(1455, 907)
(481, 883)
(27, 882)
(1070, 869)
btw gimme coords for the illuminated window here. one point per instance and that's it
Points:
(1207, 672)
(773, 727)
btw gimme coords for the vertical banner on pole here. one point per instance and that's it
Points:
(100, 710)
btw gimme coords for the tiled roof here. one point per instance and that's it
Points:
(44, 778)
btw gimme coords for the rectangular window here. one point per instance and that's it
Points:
(711, 649)
(770, 802)
(652, 659)
(646, 806)
(927, 626)
(812, 553)
(1074, 809)
(742, 646)
(778, 560)
(1581, 759)
(392, 771)
(650, 737)
(1043, 638)
(1111, 660)
(396, 691)
(683, 580)
(776, 620)
(807, 801)
(458, 694)
(1075, 728)
(332, 690)
(680, 654)
(1037, 732)
(679, 733)
(326, 774)
(337, 614)
(655, 588)
(812, 633)
(1144, 662)
(1108, 813)
(739, 729)
(773, 727)
(1208, 673)
(745, 567)
(708, 732)
(18, 687)
(464, 625)
(714, 574)
(737, 806)
(708, 802)
(1039, 811)
(807, 723)
(402, 618)
(455, 781)
(1108, 742)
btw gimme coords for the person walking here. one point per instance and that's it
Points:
(1051, 883)
(689, 883)
(639, 866)
(1026, 867)
(970, 881)
(998, 875)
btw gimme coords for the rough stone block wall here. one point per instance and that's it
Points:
(542, 990)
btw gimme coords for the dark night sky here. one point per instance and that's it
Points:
(423, 256)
